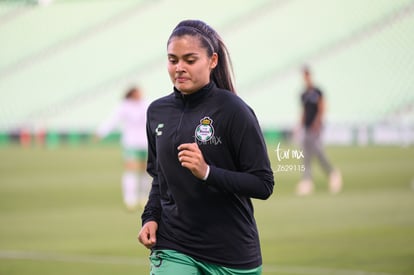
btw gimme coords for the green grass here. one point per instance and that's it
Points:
(61, 213)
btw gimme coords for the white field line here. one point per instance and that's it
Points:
(125, 260)
(55, 257)
(303, 270)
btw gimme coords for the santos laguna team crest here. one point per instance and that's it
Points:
(205, 131)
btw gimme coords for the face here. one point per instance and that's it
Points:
(136, 95)
(189, 66)
(307, 79)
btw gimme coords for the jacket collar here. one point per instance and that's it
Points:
(196, 96)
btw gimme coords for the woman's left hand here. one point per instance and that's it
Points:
(191, 157)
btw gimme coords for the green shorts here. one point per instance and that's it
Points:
(170, 262)
(135, 154)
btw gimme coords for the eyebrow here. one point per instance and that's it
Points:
(184, 56)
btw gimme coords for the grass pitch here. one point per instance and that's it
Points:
(61, 213)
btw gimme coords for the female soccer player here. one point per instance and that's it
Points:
(131, 116)
(208, 158)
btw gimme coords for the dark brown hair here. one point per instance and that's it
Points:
(130, 92)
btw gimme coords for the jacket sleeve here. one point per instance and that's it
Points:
(152, 211)
(254, 176)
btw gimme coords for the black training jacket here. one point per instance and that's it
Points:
(210, 220)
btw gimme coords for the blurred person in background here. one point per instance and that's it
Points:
(130, 116)
(208, 159)
(311, 124)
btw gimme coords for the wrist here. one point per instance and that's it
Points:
(207, 173)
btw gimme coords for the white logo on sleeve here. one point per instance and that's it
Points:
(158, 132)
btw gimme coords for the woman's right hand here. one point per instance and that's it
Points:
(147, 235)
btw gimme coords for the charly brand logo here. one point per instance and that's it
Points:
(158, 131)
(204, 132)
(286, 155)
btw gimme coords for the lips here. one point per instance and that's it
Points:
(181, 79)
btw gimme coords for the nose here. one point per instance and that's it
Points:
(179, 67)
